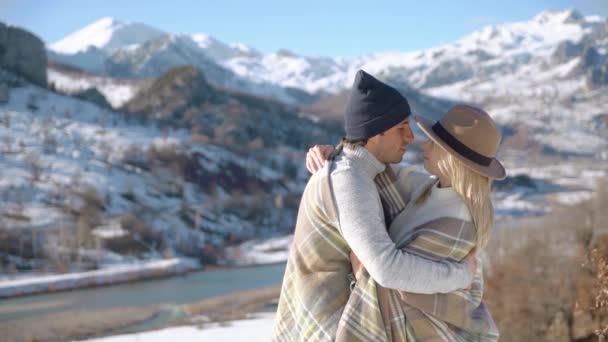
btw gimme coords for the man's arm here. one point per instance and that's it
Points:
(362, 225)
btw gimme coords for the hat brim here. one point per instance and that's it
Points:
(495, 170)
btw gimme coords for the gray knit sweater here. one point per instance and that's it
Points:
(363, 227)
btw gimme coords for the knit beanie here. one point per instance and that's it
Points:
(372, 108)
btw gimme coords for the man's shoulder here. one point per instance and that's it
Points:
(346, 172)
(321, 177)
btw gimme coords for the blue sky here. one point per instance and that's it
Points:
(311, 27)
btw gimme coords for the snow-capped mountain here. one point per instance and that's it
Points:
(89, 48)
(490, 51)
(106, 34)
(521, 72)
(493, 49)
(133, 50)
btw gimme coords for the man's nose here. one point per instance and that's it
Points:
(409, 135)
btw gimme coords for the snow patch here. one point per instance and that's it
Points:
(258, 326)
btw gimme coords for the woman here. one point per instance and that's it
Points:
(446, 215)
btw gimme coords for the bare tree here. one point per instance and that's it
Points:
(34, 165)
(7, 143)
(6, 120)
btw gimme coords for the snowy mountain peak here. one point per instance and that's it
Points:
(546, 29)
(105, 22)
(203, 40)
(569, 16)
(106, 34)
(219, 50)
(243, 48)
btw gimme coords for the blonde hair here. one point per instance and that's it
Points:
(473, 188)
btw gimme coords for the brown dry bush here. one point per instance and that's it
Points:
(169, 157)
(598, 262)
(534, 266)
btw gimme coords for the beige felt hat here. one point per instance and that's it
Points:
(470, 135)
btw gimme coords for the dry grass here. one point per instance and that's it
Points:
(234, 306)
(598, 261)
(86, 324)
(72, 325)
(535, 272)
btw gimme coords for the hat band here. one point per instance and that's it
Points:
(459, 147)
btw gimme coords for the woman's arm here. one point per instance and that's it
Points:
(454, 240)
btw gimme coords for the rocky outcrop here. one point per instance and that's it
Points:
(182, 97)
(565, 51)
(449, 71)
(591, 64)
(590, 58)
(3, 93)
(23, 53)
(597, 77)
(93, 95)
(172, 93)
(239, 122)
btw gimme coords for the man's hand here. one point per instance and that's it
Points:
(471, 259)
(317, 156)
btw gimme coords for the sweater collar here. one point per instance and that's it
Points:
(446, 193)
(364, 160)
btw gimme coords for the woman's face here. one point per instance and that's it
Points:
(431, 157)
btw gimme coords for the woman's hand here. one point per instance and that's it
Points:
(357, 266)
(317, 156)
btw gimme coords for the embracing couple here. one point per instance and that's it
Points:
(381, 251)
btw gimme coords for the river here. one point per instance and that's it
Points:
(189, 288)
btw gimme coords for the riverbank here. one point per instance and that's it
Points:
(123, 273)
(249, 254)
(85, 324)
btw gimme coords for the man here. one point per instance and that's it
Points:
(341, 212)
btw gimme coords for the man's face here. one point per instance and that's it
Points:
(391, 145)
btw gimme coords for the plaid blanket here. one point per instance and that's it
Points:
(374, 313)
(316, 283)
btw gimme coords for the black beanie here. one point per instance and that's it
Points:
(373, 107)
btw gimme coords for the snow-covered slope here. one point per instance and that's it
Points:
(116, 91)
(89, 187)
(157, 56)
(220, 51)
